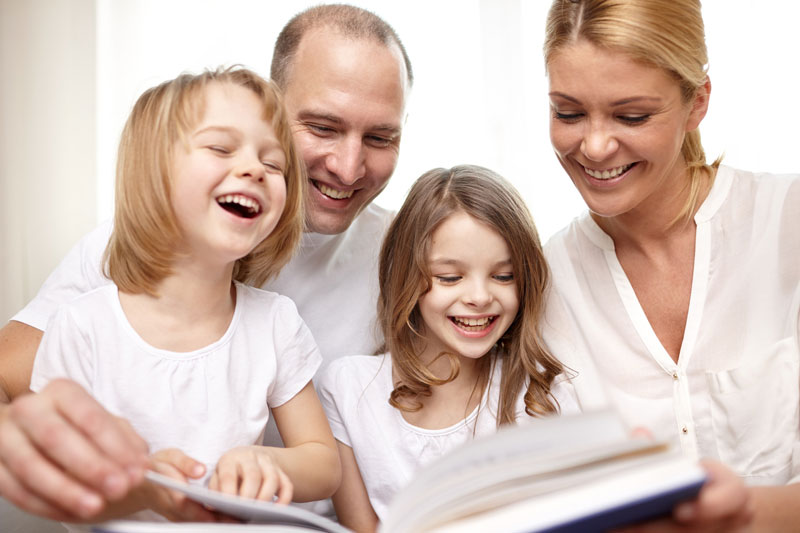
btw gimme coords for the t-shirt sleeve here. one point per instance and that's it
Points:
(64, 352)
(331, 397)
(298, 357)
(78, 273)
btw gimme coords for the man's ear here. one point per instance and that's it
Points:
(699, 106)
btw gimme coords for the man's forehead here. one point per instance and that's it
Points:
(356, 82)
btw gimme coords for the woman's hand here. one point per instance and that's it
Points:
(251, 472)
(724, 505)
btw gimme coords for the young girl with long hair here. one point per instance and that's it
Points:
(209, 197)
(462, 284)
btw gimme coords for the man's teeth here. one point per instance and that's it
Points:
(239, 199)
(608, 174)
(477, 323)
(333, 193)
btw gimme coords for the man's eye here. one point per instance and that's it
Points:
(319, 129)
(378, 141)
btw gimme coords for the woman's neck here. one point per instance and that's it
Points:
(193, 309)
(654, 224)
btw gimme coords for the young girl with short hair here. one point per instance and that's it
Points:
(209, 197)
(462, 280)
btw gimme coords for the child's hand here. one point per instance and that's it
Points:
(250, 472)
(173, 505)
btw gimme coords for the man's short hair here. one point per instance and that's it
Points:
(349, 21)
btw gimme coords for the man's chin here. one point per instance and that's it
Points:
(327, 223)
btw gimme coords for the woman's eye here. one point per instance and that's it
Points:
(567, 117)
(634, 119)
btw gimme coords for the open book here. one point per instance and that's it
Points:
(576, 473)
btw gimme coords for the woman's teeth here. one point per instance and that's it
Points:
(608, 174)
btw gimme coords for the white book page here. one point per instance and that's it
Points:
(249, 510)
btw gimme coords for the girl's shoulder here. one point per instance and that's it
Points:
(355, 372)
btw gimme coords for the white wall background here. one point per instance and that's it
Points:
(71, 70)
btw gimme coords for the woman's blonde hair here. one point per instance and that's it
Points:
(142, 247)
(667, 34)
(404, 276)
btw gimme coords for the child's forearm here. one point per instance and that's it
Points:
(312, 467)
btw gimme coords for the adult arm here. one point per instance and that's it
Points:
(62, 456)
(351, 501)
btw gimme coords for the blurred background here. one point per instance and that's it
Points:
(71, 70)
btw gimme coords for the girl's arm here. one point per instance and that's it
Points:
(351, 501)
(309, 460)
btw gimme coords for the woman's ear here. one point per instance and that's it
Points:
(699, 106)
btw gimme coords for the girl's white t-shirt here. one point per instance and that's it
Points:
(355, 394)
(203, 402)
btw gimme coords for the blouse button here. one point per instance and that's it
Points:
(685, 430)
(675, 376)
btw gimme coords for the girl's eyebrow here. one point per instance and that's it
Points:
(447, 261)
(222, 129)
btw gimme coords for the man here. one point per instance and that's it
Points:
(346, 76)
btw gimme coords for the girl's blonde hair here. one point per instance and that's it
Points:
(666, 34)
(142, 247)
(404, 276)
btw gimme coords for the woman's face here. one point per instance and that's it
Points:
(617, 127)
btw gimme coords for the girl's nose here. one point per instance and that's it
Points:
(477, 294)
(250, 166)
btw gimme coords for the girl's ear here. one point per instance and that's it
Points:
(699, 106)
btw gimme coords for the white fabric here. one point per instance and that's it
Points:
(733, 394)
(355, 394)
(333, 280)
(203, 402)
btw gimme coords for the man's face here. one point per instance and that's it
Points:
(346, 100)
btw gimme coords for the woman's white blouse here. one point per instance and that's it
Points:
(733, 395)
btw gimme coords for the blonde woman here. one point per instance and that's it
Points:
(676, 294)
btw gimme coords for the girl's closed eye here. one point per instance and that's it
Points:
(219, 149)
(505, 277)
(447, 278)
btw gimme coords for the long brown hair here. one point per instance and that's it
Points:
(666, 34)
(142, 247)
(404, 276)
